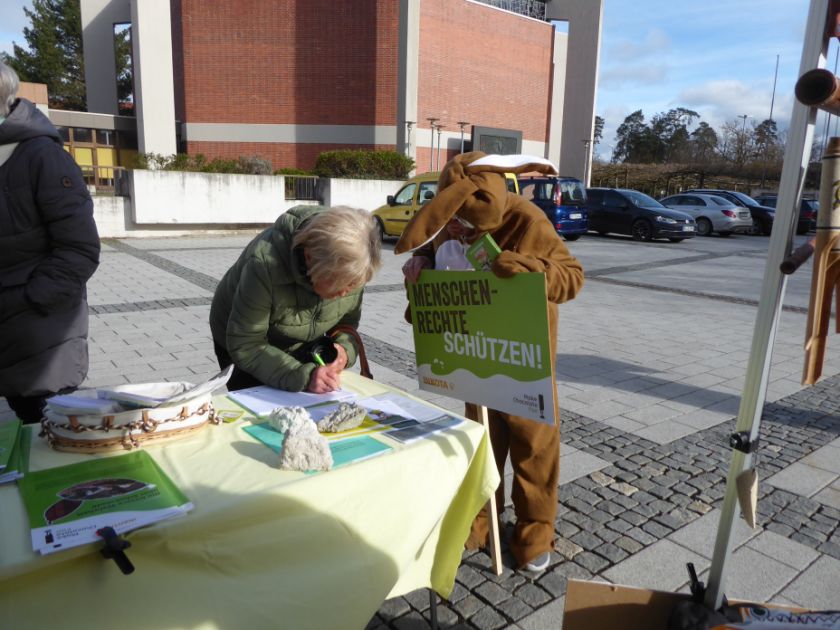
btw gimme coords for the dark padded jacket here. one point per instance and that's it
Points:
(265, 307)
(49, 247)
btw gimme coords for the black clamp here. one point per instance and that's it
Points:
(740, 441)
(114, 549)
(698, 589)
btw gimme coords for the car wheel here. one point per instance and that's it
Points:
(381, 227)
(724, 234)
(641, 231)
(755, 230)
(571, 237)
(801, 232)
(704, 227)
(766, 227)
(676, 240)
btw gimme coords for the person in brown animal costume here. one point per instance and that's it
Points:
(473, 199)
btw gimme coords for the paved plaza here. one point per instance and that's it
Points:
(651, 363)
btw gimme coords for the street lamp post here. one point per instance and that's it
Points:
(432, 122)
(408, 125)
(587, 144)
(462, 124)
(744, 128)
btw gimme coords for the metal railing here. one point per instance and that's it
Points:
(301, 187)
(102, 178)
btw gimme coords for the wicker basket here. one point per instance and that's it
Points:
(125, 430)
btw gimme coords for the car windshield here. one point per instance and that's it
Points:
(720, 201)
(744, 198)
(572, 192)
(641, 200)
(811, 204)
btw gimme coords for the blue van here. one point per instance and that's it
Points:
(563, 199)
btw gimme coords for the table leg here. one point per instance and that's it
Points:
(433, 608)
(492, 515)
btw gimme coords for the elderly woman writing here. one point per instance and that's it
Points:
(295, 282)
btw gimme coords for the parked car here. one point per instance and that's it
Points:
(399, 208)
(807, 220)
(711, 213)
(563, 200)
(762, 216)
(625, 211)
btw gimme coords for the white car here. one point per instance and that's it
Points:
(712, 213)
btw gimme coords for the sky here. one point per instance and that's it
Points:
(716, 57)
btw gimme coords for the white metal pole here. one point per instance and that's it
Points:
(796, 161)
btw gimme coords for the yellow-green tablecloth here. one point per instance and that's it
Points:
(262, 548)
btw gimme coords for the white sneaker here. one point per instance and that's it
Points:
(540, 563)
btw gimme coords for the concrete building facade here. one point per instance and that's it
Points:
(288, 79)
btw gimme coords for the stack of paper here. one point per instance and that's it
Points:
(11, 451)
(262, 400)
(69, 504)
(149, 394)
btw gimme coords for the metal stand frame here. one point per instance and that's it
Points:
(800, 137)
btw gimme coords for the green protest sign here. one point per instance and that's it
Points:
(485, 340)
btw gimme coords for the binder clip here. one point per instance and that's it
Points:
(114, 549)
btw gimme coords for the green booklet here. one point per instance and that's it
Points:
(69, 504)
(483, 252)
(8, 441)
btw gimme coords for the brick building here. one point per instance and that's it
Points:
(288, 79)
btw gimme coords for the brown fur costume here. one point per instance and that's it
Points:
(529, 243)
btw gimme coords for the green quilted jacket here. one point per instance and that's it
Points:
(265, 307)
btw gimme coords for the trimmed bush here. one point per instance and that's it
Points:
(360, 164)
(198, 163)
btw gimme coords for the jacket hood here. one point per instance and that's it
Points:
(26, 121)
(283, 234)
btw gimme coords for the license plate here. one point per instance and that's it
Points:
(575, 215)
(688, 228)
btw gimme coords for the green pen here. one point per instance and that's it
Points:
(318, 359)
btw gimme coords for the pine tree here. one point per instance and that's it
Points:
(54, 56)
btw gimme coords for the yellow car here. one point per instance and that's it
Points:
(401, 207)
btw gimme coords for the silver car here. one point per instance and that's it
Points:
(712, 213)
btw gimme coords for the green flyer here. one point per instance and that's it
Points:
(485, 340)
(69, 504)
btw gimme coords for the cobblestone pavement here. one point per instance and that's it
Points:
(652, 359)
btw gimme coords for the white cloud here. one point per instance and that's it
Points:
(721, 101)
(656, 41)
(646, 74)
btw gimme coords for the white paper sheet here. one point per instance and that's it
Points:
(262, 400)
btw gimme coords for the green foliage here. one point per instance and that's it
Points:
(54, 54)
(292, 171)
(198, 163)
(360, 164)
(125, 82)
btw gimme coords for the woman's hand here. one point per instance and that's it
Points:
(413, 266)
(340, 361)
(324, 379)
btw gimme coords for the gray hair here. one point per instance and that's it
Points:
(8, 88)
(344, 245)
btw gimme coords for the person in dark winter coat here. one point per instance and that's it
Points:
(294, 282)
(49, 248)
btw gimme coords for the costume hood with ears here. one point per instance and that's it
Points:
(471, 185)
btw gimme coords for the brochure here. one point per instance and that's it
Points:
(69, 504)
(423, 429)
(8, 440)
(262, 400)
(10, 453)
(344, 452)
(483, 252)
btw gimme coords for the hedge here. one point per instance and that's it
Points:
(251, 165)
(360, 164)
